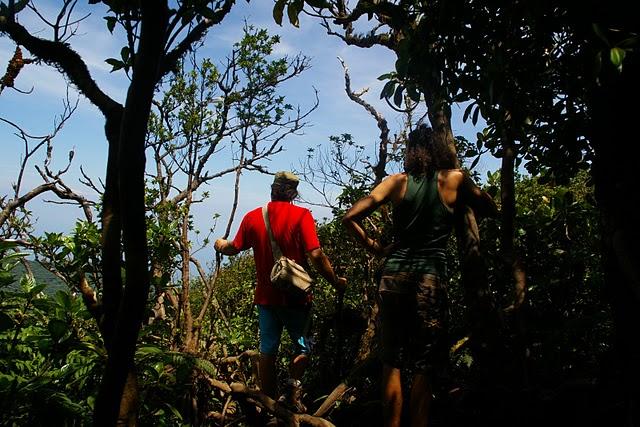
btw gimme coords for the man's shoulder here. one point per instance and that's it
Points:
(253, 215)
(302, 212)
(291, 209)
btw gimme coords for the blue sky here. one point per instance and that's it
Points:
(84, 132)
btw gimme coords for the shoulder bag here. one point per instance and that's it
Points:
(286, 274)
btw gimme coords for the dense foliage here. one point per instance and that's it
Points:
(135, 337)
(52, 355)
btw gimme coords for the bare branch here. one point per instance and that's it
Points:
(172, 57)
(52, 181)
(280, 411)
(66, 60)
(341, 389)
(210, 284)
(247, 354)
(367, 40)
(380, 168)
(236, 193)
(14, 204)
(89, 183)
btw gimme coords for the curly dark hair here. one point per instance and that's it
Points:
(427, 152)
(283, 192)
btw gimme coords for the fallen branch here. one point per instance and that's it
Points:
(247, 354)
(278, 410)
(342, 388)
(263, 401)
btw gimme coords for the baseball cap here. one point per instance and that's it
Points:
(286, 177)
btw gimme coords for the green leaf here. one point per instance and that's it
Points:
(111, 23)
(42, 304)
(475, 162)
(115, 63)
(597, 63)
(467, 111)
(617, 56)
(91, 401)
(599, 33)
(6, 278)
(147, 350)
(125, 53)
(385, 76)
(7, 244)
(397, 97)
(175, 411)
(476, 113)
(293, 10)
(57, 328)
(63, 299)
(629, 42)
(320, 4)
(13, 259)
(388, 89)
(278, 10)
(206, 366)
(38, 288)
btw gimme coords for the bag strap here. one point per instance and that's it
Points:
(275, 249)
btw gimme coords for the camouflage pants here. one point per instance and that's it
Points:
(413, 321)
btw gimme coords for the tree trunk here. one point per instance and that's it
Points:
(111, 234)
(513, 268)
(190, 342)
(614, 116)
(131, 167)
(483, 318)
(128, 413)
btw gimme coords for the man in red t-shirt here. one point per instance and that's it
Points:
(294, 230)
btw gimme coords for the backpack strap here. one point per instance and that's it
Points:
(275, 249)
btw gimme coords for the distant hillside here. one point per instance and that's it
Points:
(42, 275)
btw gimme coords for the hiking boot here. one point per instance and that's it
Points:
(292, 397)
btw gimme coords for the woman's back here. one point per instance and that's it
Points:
(421, 224)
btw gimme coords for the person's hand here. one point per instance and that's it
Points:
(341, 285)
(219, 244)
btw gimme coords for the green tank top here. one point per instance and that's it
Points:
(422, 224)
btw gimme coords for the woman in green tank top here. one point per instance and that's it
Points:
(412, 292)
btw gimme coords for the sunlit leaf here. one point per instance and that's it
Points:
(278, 11)
(617, 56)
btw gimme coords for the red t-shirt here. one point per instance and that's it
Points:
(293, 229)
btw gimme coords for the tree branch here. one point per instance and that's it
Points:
(280, 411)
(66, 60)
(380, 168)
(172, 57)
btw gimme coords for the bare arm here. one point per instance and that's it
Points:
(480, 201)
(386, 191)
(225, 247)
(322, 264)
